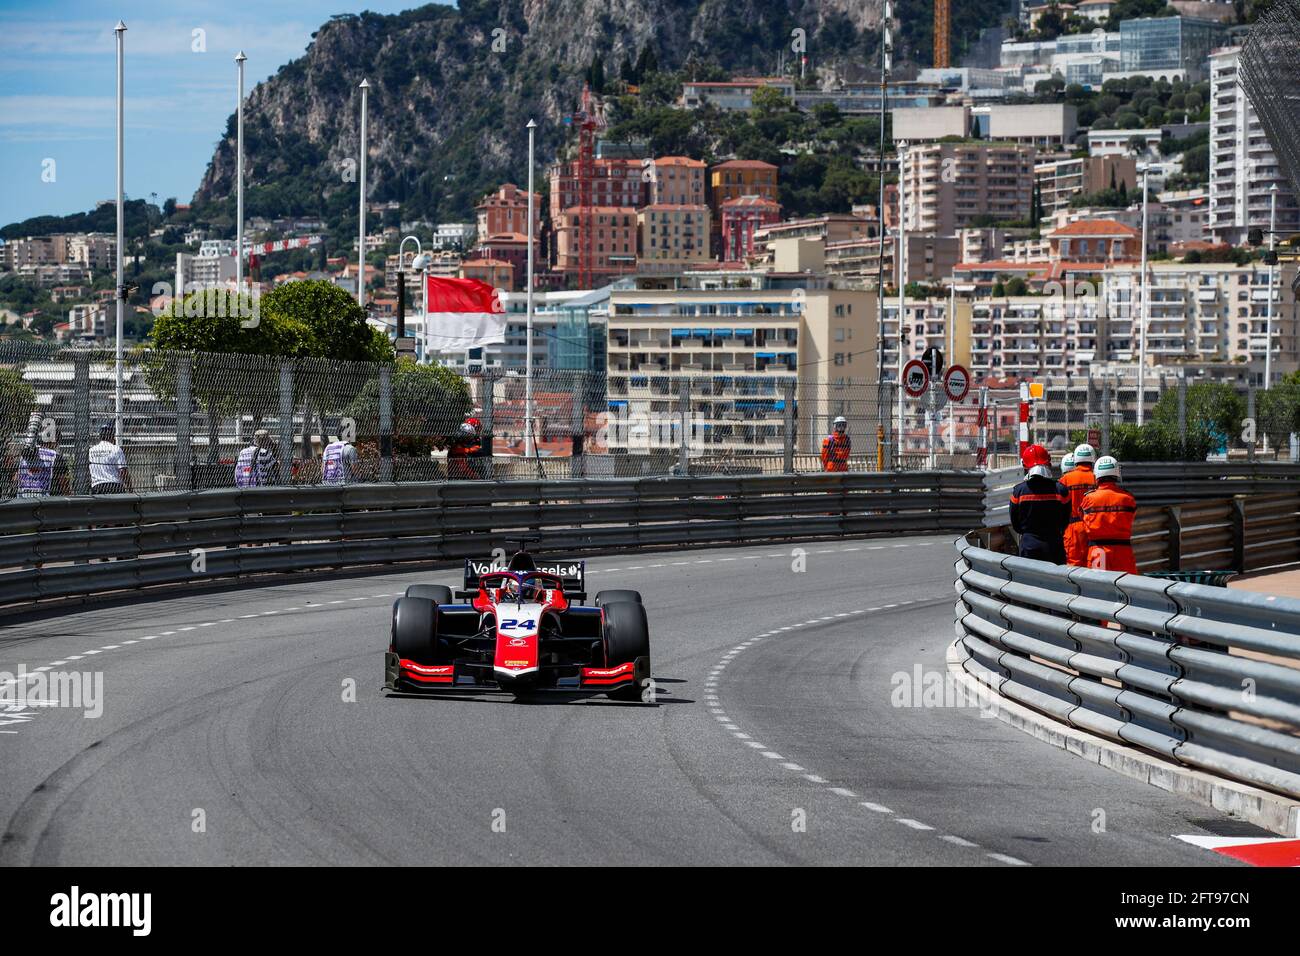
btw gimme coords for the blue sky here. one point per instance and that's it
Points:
(58, 84)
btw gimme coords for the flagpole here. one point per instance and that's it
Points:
(239, 177)
(120, 30)
(361, 241)
(529, 446)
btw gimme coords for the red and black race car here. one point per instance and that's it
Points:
(523, 628)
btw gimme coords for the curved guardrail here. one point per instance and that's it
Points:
(1206, 676)
(54, 548)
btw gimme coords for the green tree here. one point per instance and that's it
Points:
(1277, 410)
(334, 326)
(1215, 405)
(768, 101)
(429, 404)
(17, 400)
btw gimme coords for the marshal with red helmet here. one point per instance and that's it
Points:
(1040, 508)
(522, 627)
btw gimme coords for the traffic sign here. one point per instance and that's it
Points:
(956, 383)
(916, 378)
(933, 360)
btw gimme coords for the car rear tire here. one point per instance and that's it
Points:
(617, 594)
(437, 593)
(627, 638)
(413, 621)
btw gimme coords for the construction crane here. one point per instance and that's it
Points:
(942, 31)
(590, 119)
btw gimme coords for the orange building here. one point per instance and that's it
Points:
(1095, 240)
(495, 272)
(613, 241)
(506, 210)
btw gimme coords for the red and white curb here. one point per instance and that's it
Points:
(1257, 851)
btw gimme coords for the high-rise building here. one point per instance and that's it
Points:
(951, 186)
(1243, 167)
(748, 343)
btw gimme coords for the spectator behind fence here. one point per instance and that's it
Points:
(339, 463)
(107, 464)
(257, 465)
(41, 470)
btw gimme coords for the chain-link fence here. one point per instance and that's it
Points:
(1184, 418)
(186, 418)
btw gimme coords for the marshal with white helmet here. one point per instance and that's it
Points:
(1106, 467)
(521, 627)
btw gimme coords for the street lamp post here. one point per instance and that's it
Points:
(886, 55)
(361, 239)
(529, 446)
(239, 177)
(120, 33)
(900, 260)
(401, 283)
(1272, 271)
(1142, 315)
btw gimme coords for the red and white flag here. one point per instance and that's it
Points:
(462, 314)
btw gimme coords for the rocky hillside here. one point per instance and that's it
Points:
(451, 90)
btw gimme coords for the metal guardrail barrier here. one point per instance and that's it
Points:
(54, 548)
(1206, 676)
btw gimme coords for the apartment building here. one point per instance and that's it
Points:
(614, 234)
(1206, 312)
(737, 179)
(36, 251)
(506, 210)
(1059, 181)
(96, 251)
(455, 235)
(676, 180)
(929, 259)
(615, 182)
(951, 186)
(746, 341)
(673, 236)
(742, 218)
(1243, 167)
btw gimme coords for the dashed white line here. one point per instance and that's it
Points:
(914, 824)
(1003, 858)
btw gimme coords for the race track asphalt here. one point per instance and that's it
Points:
(777, 738)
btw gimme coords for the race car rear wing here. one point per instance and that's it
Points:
(572, 573)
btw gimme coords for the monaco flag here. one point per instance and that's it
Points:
(462, 314)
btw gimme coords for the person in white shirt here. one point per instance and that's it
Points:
(108, 472)
(338, 465)
(256, 465)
